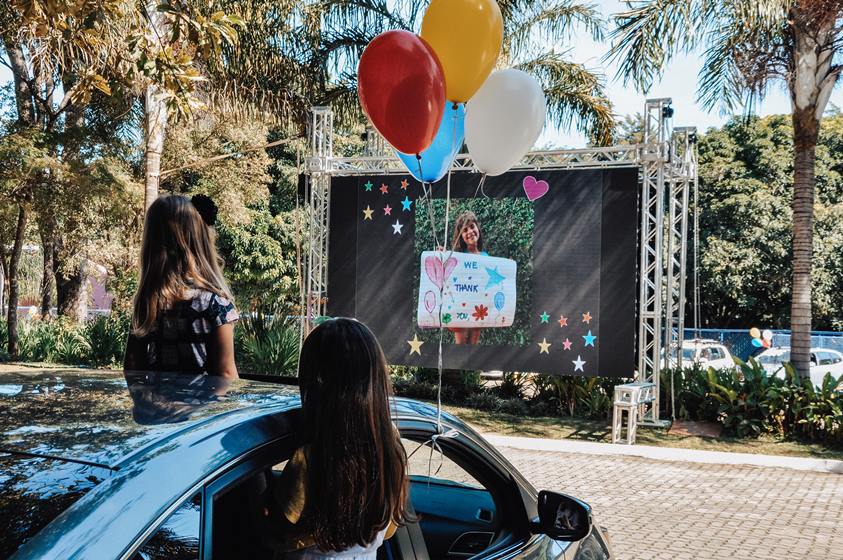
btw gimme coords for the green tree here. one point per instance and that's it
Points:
(748, 45)
(746, 191)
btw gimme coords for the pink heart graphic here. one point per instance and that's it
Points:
(534, 189)
(435, 270)
(449, 266)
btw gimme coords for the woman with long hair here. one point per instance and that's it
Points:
(184, 314)
(346, 488)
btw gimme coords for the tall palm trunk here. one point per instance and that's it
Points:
(812, 81)
(14, 260)
(805, 133)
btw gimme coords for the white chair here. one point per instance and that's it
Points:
(630, 398)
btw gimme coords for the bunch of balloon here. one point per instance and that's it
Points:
(416, 92)
(761, 339)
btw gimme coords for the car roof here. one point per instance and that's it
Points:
(105, 418)
(782, 349)
(699, 341)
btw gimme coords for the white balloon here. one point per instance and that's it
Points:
(503, 120)
(767, 335)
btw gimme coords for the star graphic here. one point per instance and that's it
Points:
(563, 321)
(578, 364)
(396, 228)
(586, 317)
(495, 277)
(415, 344)
(589, 339)
(384, 188)
(387, 210)
(566, 344)
(544, 317)
(369, 186)
(544, 345)
(404, 184)
(368, 213)
(406, 204)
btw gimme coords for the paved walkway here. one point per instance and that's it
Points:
(673, 510)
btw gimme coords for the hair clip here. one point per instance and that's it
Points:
(206, 208)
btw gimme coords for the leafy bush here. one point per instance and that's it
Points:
(268, 343)
(106, 337)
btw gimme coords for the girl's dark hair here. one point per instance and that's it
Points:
(178, 253)
(463, 220)
(356, 464)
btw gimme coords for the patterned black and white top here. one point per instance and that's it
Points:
(180, 342)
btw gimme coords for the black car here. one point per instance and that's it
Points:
(103, 465)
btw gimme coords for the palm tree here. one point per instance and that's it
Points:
(575, 95)
(748, 45)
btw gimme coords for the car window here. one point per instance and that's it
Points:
(244, 520)
(717, 353)
(827, 358)
(458, 515)
(178, 537)
(423, 464)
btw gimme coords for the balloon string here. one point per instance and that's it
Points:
(480, 187)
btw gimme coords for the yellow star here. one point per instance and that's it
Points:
(415, 345)
(368, 213)
(404, 184)
(543, 346)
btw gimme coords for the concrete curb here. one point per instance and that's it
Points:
(668, 453)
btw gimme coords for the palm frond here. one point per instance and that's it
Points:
(550, 24)
(745, 50)
(650, 33)
(575, 96)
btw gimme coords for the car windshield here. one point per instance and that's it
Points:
(774, 358)
(688, 353)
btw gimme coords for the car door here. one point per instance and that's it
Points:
(467, 503)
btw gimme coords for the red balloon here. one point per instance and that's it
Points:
(402, 90)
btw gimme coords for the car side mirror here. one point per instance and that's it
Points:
(562, 517)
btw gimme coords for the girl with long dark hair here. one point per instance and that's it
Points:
(183, 314)
(346, 488)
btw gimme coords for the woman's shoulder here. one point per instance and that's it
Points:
(219, 309)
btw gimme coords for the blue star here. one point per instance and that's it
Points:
(406, 204)
(589, 339)
(495, 277)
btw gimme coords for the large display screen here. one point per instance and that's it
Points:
(535, 273)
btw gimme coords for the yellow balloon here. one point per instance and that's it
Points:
(467, 36)
(754, 332)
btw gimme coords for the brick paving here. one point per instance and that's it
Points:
(670, 510)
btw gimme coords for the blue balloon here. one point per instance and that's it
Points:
(437, 159)
(757, 342)
(500, 299)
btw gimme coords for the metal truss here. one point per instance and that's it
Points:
(315, 274)
(379, 162)
(668, 168)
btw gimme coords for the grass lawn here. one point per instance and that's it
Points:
(600, 431)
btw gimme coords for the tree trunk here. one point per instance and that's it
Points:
(20, 74)
(805, 134)
(48, 275)
(156, 127)
(14, 260)
(71, 292)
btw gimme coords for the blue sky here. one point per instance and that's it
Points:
(679, 83)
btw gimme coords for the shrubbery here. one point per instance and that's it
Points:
(746, 402)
